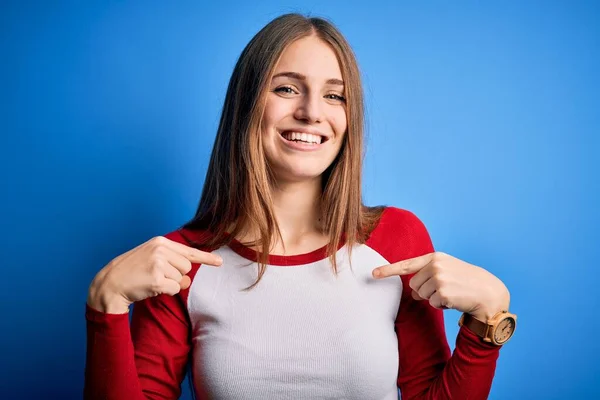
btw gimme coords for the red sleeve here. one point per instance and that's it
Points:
(427, 371)
(144, 360)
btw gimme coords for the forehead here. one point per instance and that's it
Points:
(312, 57)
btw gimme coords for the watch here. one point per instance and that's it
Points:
(498, 329)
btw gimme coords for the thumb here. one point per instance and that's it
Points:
(185, 282)
(416, 296)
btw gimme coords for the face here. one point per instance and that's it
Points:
(305, 116)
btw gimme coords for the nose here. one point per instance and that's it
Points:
(310, 110)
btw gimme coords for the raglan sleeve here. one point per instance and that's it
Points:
(138, 360)
(427, 368)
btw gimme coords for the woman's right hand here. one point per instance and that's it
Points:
(158, 266)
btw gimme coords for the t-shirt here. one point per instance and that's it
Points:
(302, 333)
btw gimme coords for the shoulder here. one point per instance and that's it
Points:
(399, 217)
(399, 235)
(190, 237)
(175, 236)
(401, 223)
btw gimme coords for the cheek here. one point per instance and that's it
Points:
(340, 123)
(274, 111)
(267, 119)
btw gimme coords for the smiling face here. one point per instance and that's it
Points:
(304, 121)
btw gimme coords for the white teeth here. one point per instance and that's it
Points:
(302, 137)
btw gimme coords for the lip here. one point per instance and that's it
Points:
(304, 130)
(303, 146)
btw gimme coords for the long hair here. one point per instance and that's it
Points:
(237, 188)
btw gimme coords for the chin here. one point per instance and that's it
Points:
(298, 175)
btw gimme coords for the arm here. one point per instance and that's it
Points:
(427, 371)
(143, 361)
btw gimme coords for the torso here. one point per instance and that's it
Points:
(300, 333)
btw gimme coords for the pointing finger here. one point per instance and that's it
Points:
(405, 267)
(194, 255)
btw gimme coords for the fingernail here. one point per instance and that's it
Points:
(376, 273)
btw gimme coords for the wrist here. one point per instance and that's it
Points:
(489, 309)
(102, 299)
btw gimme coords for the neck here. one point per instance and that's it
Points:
(297, 207)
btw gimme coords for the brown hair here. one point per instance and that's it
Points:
(237, 189)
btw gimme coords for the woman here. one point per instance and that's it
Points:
(276, 288)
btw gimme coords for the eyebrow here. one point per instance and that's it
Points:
(300, 77)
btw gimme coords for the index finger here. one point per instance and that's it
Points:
(194, 255)
(404, 267)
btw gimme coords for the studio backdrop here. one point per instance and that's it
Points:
(482, 119)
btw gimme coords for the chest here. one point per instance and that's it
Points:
(301, 333)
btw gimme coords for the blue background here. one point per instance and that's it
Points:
(483, 119)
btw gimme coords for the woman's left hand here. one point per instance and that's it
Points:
(448, 282)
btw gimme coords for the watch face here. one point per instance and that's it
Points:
(504, 331)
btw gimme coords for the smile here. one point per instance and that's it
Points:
(302, 137)
(303, 141)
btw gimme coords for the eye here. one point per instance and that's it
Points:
(286, 90)
(336, 97)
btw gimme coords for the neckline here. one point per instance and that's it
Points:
(281, 260)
